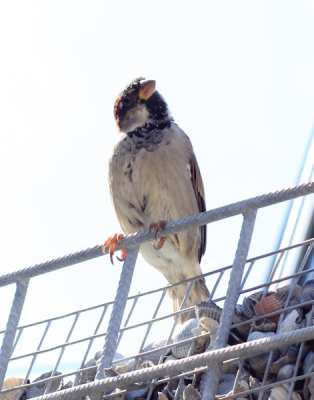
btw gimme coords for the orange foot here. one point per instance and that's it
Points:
(159, 227)
(111, 242)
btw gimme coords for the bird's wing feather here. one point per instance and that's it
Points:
(198, 187)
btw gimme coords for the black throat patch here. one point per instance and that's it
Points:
(148, 136)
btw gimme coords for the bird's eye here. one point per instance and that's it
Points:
(126, 101)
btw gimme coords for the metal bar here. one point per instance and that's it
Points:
(173, 367)
(178, 376)
(14, 317)
(190, 279)
(210, 379)
(241, 207)
(64, 315)
(230, 396)
(269, 386)
(52, 265)
(193, 221)
(117, 313)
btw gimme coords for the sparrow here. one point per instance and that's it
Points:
(154, 177)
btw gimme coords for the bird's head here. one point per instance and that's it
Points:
(139, 104)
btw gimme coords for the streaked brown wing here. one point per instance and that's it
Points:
(198, 187)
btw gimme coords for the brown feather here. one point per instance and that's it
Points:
(198, 187)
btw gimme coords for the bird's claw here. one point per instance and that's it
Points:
(159, 227)
(160, 243)
(123, 255)
(111, 242)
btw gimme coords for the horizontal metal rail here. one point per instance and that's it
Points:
(172, 227)
(174, 367)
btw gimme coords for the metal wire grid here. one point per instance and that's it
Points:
(249, 268)
(115, 332)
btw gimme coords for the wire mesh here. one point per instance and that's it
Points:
(152, 364)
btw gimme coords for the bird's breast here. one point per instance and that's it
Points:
(157, 183)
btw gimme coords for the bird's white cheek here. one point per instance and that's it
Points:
(134, 118)
(141, 116)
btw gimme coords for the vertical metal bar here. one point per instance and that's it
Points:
(14, 317)
(117, 312)
(210, 379)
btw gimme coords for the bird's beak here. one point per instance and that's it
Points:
(147, 88)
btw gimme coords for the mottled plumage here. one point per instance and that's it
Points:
(153, 176)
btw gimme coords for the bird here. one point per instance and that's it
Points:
(154, 178)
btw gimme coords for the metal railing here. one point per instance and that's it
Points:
(210, 362)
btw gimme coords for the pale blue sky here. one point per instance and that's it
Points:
(238, 77)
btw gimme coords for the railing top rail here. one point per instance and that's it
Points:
(134, 240)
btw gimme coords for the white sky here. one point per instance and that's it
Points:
(238, 78)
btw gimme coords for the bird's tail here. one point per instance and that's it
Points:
(198, 293)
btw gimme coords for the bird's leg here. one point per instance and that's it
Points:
(111, 242)
(159, 227)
